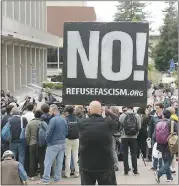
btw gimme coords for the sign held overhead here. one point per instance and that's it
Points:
(105, 61)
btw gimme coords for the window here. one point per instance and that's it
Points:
(52, 65)
(60, 54)
(52, 55)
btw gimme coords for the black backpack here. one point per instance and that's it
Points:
(73, 132)
(130, 124)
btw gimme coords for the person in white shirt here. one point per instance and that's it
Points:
(29, 114)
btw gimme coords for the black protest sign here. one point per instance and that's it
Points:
(105, 62)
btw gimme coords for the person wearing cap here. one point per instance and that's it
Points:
(12, 172)
(72, 142)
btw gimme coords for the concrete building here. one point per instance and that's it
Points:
(67, 3)
(58, 13)
(24, 44)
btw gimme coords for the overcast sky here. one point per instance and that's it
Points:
(105, 11)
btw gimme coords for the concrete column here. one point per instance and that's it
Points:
(4, 10)
(37, 14)
(4, 77)
(45, 64)
(43, 59)
(29, 64)
(34, 72)
(30, 12)
(58, 56)
(33, 13)
(42, 65)
(17, 64)
(22, 12)
(9, 9)
(37, 66)
(41, 15)
(11, 69)
(23, 66)
(16, 10)
(45, 16)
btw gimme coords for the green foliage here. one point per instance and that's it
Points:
(133, 11)
(52, 85)
(130, 11)
(151, 67)
(58, 78)
(154, 75)
(167, 48)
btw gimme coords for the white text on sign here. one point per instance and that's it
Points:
(90, 63)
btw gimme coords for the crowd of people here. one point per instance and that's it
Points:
(52, 142)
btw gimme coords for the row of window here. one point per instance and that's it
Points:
(32, 13)
(52, 55)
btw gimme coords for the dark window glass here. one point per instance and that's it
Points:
(60, 54)
(52, 55)
(52, 65)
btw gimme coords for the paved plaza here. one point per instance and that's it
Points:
(146, 177)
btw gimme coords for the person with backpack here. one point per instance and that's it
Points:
(72, 142)
(173, 117)
(36, 141)
(4, 143)
(162, 134)
(152, 122)
(131, 124)
(17, 125)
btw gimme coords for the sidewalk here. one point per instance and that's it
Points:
(146, 177)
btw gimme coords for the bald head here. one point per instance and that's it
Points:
(95, 107)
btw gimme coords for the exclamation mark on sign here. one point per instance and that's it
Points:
(141, 39)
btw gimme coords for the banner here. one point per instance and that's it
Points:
(107, 62)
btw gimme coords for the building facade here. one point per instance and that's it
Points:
(24, 44)
(58, 13)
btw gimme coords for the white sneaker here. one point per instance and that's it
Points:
(32, 178)
(170, 180)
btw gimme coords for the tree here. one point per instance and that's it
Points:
(167, 47)
(130, 11)
(133, 11)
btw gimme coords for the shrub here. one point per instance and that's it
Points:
(52, 85)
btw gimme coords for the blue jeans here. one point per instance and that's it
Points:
(157, 161)
(55, 152)
(18, 148)
(166, 167)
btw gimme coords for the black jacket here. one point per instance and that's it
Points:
(95, 151)
(15, 123)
